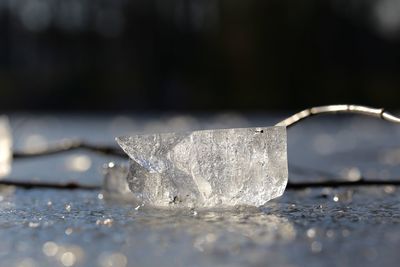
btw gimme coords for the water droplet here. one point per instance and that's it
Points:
(50, 249)
(78, 163)
(354, 174)
(389, 189)
(311, 233)
(330, 233)
(68, 259)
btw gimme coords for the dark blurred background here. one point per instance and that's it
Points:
(179, 55)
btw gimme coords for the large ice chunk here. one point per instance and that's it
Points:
(209, 168)
(5, 146)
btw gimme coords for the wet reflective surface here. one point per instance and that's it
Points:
(312, 227)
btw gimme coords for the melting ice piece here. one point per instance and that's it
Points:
(5, 146)
(210, 168)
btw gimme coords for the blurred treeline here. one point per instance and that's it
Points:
(197, 54)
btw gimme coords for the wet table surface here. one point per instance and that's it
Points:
(356, 226)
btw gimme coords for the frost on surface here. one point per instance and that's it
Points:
(5, 147)
(210, 168)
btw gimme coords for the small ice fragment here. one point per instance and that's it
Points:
(115, 182)
(68, 207)
(107, 222)
(34, 224)
(5, 146)
(210, 168)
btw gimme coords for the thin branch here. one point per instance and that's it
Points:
(46, 185)
(332, 109)
(303, 185)
(68, 146)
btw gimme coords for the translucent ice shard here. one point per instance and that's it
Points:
(210, 168)
(5, 147)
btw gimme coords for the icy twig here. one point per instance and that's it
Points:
(333, 109)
